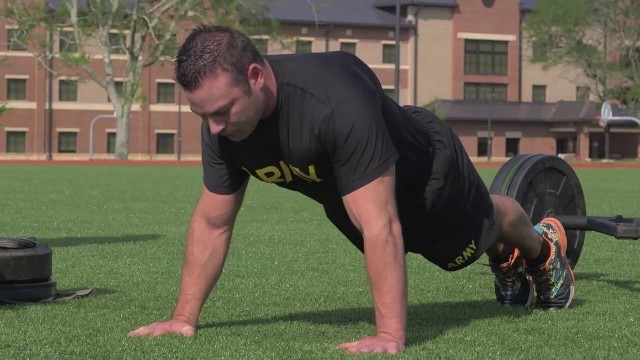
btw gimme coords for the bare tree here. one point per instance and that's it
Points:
(115, 39)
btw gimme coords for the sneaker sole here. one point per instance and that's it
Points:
(562, 239)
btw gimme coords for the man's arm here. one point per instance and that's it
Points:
(372, 209)
(207, 245)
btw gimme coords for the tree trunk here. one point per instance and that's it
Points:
(122, 135)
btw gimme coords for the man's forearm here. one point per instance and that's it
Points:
(205, 254)
(386, 269)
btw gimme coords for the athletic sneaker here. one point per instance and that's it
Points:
(513, 285)
(554, 281)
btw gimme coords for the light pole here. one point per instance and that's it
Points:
(397, 65)
(489, 134)
(179, 123)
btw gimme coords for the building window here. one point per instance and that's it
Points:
(67, 142)
(388, 53)
(303, 46)
(166, 93)
(16, 141)
(119, 89)
(582, 93)
(66, 42)
(566, 145)
(263, 45)
(390, 92)
(485, 91)
(349, 47)
(538, 51)
(169, 49)
(118, 43)
(15, 42)
(539, 93)
(111, 143)
(512, 147)
(16, 89)
(485, 57)
(164, 143)
(483, 146)
(68, 90)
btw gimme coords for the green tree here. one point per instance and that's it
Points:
(600, 37)
(128, 36)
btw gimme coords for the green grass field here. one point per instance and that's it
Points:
(293, 288)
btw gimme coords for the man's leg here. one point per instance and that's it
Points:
(541, 248)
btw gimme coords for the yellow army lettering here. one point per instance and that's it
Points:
(466, 254)
(285, 173)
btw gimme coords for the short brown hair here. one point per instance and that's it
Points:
(211, 47)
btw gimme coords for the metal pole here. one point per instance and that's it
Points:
(606, 141)
(489, 136)
(93, 123)
(397, 67)
(50, 99)
(179, 123)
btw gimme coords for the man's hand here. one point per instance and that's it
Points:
(168, 327)
(374, 344)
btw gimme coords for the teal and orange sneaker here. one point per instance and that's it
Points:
(512, 284)
(554, 281)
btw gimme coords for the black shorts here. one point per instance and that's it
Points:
(453, 224)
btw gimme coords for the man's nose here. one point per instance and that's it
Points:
(216, 127)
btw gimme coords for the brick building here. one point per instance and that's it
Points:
(466, 58)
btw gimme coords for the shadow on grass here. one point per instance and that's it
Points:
(96, 240)
(425, 321)
(58, 302)
(629, 285)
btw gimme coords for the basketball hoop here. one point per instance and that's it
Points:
(606, 117)
(606, 113)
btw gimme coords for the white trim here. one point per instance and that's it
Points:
(483, 36)
(304, 38)
(513, 134)
(111, 131)
(387, 42)
(563, 129)
(10, 76)
(75, 130)
(485, 134)
(165, 131)
(13, 27)
(388, 87)
(166, 81)
(166, 107)
(73, 105)
(16, 129)
(345, 40)
(74, 78)
(23, 53)
(263, 37)
(21, 104)
(388, 66)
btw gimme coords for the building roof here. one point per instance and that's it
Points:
(350, 13)
(376, 13)
(528, 5)
(434, 3)
(481, 110)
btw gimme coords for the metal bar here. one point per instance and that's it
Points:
(616, 226)
(93, 123)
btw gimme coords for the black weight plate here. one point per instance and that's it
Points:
(29, 292)
(500, 185)
(25, 265)
(546, 186)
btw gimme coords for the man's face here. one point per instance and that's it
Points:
(229, 110)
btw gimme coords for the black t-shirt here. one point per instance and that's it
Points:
(332, 132)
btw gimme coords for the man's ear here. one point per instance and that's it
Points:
(255, 74)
